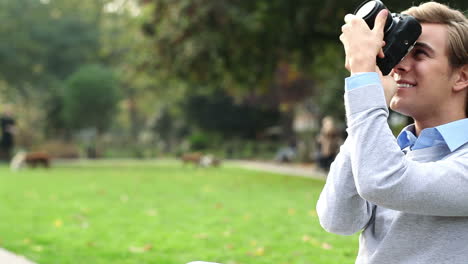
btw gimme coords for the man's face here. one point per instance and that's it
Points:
(424, 77)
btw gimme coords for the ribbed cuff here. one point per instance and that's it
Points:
(362, 98)
(361, 79)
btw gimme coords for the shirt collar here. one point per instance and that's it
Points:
(406, 138)
(453, 134)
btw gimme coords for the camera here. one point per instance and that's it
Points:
(400, 33)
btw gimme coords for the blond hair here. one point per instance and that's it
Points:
(457, 28)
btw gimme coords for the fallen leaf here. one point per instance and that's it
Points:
(207, 189)
(58, 223)
(124, 198)
(228, 246)
(201, 236)
(139, 250)
(313, 213)
(136, 250)
(148, 247)
(151, 212)
(247, 217)
(260, 251)
(31, 194)
(37, 248)
(84, 225)
(326, 246)
(315, 242)
(227, 233)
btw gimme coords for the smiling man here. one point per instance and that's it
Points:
(407, 196)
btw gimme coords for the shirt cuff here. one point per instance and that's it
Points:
(362, 99)
(361, 79)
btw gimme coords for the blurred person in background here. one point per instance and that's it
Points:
(329, 141)
(7, 126)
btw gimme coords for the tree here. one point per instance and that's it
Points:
(90, 98)
(47, 41)
(239, 46)
(220, 114)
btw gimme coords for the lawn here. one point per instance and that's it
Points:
(162, 212)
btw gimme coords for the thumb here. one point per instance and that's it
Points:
(380, 20)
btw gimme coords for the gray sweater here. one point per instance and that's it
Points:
(411, 206)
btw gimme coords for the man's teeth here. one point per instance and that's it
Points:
(405, 85)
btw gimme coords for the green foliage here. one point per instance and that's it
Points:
(273, 53)
(46, 42)
(90, 98)
(239, 46)
(199, 141)
(43, 42)
(56, 124)
(329, 76)
(130, 212)
(219, 113)
(191, 40)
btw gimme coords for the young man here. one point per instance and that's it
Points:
(408, 196)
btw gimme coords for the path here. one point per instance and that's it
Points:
(10, 258)
(301, 170)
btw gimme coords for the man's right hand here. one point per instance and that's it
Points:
(362, 45)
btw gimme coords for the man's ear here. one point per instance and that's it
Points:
(462, 79)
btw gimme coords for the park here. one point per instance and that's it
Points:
(165, 132)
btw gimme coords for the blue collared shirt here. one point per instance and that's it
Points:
(453, 134)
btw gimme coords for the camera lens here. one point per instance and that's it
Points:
(369, 10)
(366, 9)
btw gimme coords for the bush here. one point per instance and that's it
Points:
(90, 98)
(60, 149)
(199, 141)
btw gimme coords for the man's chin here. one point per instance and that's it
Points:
(393, 104)
(397, 105)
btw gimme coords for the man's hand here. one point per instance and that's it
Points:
(362, 45)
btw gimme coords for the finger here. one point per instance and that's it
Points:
(377, 69)
(381, 54)
(349, 17)
(380, 21)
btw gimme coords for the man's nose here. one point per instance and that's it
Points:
(403, 65)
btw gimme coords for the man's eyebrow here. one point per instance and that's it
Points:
(424, 46)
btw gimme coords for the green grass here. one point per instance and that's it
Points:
(164, 213)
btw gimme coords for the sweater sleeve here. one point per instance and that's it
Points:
(340, 208)
(382, 173)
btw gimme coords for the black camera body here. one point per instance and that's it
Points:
(400, 33)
